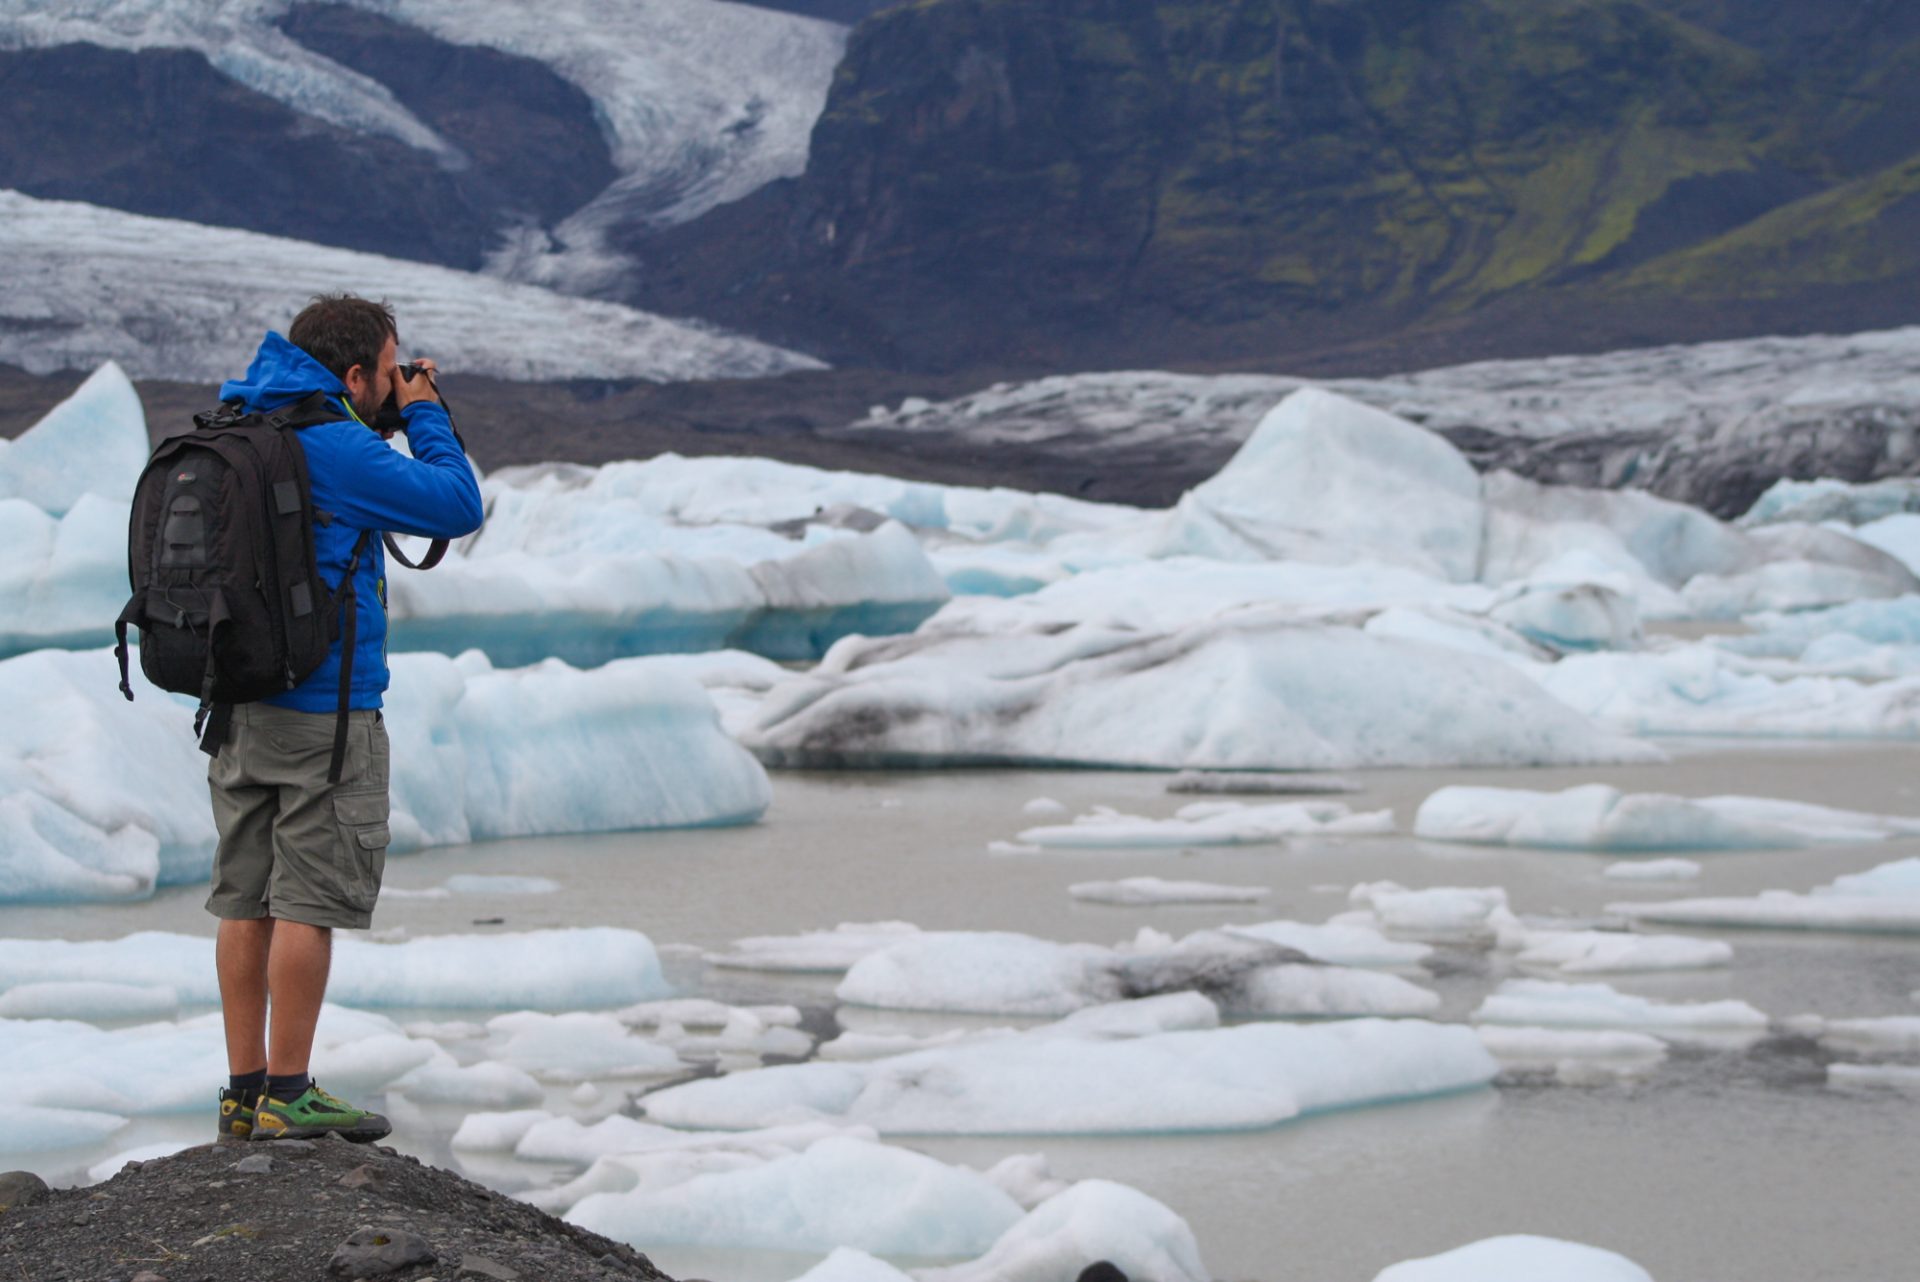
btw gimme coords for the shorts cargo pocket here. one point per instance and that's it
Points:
(363, 829)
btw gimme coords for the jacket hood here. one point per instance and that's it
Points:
(281, 373)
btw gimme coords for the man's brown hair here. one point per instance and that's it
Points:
(343, 330)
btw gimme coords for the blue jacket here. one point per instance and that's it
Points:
(362, 483)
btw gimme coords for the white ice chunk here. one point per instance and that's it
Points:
(565, 1139)
(1438, 915)
(1877, 1035)
(839, 1192)
(1338, 945)
(1253, 689)
(1597, 952)
(597, 965)
(93, 442)
(1026, 1178)
(848, 1265)
(475, 884)
(93, 1000)
(1002, 973)
(1600, 817)
(483, 1085)
(1897, 1077)
(577, 1045)
(1519, 1258)
(1092, 1220)
(1155, 890)
(1223, 823)
(112, 1166)
(1651, 870)
(825, 951)
(496, 1132)
(32, 1128)
(1886, 898)
(1545, 1002)
(1245, 1077)
(1524, 1046)
(1043, 806)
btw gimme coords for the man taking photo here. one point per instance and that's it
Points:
(301, 855)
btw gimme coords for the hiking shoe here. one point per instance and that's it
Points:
(236, 1114)
(314, 1114)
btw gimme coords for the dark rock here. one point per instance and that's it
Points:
(372, 1253)
(147, 1275)
(479, 1266)
(1101, 1271)
(360, 1177)
(21, 1188)
(256, 1164)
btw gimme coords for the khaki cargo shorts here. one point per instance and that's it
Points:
(292, 845)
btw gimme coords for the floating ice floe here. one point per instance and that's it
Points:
(1258, 782)
(1476, 915)
(1599, 817)
(837, 1192)
(704, 1031)
(1245, 1077)
(1548, 1047)
(575, 1046)
(33, 1128)
(93, 1000)
(102, 799)
(999, 973)
(1211, 823)
(1043, 806)
(1896, 1077)
(542, 969)
(1248, 690)
(822, 951)
(1651, 870)
(1600, 952)
(1886, 898)
(475, 884)
(1547, 1003)
(1877, 1035)
(1091, 1221)
(1155, 890)
(1519, 1258)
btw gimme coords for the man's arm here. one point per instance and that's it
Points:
(433, 494)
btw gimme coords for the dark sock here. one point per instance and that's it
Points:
(248, 1084)
(288, 1088)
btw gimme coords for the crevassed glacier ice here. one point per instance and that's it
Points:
(1248, 690)
(97, 284)
(1519, 1258)
(1601, 817)
(1246, 1077)
(106, 799)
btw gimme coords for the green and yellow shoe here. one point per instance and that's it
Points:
(314, 1114)
(236, 1114)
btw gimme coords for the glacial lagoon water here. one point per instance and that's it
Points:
(1723, 1165)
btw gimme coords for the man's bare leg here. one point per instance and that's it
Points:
(297, 977)
(240, 953)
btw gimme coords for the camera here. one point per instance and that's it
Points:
(389, 420)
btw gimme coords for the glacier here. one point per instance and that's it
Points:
(177, 300)
(107, 800)
(703, 101)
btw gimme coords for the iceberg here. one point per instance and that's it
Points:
(837, 1192)
(542, 969)
(1246, 1077)
(1596, 952)
(822, 951)
(1249, 690)
(1094, 1220)
(1475, 915)
(1156, 890)
(1651, 870)
(93, 1000)
(999, 973)
(1599, 817)
(105, 799)
(1519, 1258)
(31, 1128)
(1211, 823)
(1545, 1002)
(93, 442)
(1876, 1035)
(1882, 899)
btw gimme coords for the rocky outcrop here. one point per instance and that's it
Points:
(294, 1209)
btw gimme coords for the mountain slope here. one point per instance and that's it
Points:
(1111, 182)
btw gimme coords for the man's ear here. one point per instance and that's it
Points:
(357, 381)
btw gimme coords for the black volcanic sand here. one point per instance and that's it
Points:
(193, 1218)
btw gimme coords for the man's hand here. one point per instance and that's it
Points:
(419, 388)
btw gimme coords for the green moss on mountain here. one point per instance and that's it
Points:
(994, 178)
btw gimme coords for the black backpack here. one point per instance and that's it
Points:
(227, 595)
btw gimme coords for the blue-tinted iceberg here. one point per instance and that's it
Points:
(106, 799)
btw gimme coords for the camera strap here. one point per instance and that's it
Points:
(435, 551)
